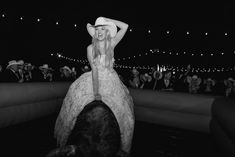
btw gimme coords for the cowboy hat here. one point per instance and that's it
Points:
(100, 21)
(194, 77)
(230, 79)
(67, 68)
(14, 62)
(45, 67)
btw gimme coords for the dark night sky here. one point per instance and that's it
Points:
(33, 41)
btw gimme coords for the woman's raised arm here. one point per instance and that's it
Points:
(120, 34)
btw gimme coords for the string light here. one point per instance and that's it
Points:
(159, 67)
(150, 52)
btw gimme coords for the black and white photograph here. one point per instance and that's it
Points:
(117, 79)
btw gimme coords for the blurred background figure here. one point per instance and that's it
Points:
(229, 87)
(85, 69)
(21, 70)
(74, 73)
(145, 80)
(157, 75)
(1, 73)
(181, 83)
(193, 84)
(27, 71)
(208, 85)
(135, 81)
(65, 74)
(12, 72)
(166, 82)
(46, 73)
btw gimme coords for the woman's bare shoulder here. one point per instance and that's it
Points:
(89, 47)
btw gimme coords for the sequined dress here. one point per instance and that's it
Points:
(114, 94)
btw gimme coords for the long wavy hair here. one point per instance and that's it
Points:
(108, 50)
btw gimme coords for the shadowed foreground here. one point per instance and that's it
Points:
(35, 138)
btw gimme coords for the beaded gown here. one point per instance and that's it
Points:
(114, 94)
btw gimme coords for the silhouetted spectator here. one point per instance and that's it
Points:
(11, 74)
(46, 73)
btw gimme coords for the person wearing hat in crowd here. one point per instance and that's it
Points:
(74, 73)
(12, 72)
(100, 84)
(165, 83)
(208, 85)
(145, 80)
(21, 70)
(66, 73)
(135, 81)
(27, 71)
(229, 84)
(193, 84)
(46, 73)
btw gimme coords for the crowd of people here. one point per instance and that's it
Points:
(155, 79)
(188, 81)
(19, 71)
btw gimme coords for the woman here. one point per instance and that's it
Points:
(101, 83)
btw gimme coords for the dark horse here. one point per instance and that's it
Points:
(95, 134)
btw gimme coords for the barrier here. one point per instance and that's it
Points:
(28, 101)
